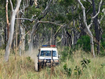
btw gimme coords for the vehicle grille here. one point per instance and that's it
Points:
(48, 60)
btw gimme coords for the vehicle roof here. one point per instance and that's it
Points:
(48, 48)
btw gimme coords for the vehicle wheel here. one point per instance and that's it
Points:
(36, 65)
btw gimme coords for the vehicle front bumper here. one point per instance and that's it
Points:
(48, 62)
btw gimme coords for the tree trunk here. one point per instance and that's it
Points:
(88, 27)
(72, 38)
(32, 36)
(62, 41)
(31, 43)
(92, 46)
(22, 40)
(97, 34)
(8, 47)
(7, 20)
(91, 42)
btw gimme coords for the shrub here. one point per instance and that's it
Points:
(85, 62)
(102, 45)
(67, 70)
(84, 42)
(66, 53)
(77, 71)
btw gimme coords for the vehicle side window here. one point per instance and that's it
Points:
(42, 53)
(54, 53)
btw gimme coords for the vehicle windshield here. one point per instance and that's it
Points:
(48, 53)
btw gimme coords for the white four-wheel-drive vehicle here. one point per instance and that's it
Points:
(47, 56)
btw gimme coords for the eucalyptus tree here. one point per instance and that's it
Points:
(31, 17)
(88, 26)
(97, 27)
(86, 6)
(71, 14)
(37, 19)
(14, 12)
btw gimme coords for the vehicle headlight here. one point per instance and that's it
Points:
(40, 60)
(56, 60)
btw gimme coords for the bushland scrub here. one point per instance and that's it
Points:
(76, 65)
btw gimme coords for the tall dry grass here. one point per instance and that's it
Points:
(22, 67)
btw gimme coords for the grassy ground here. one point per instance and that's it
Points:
(23, 68)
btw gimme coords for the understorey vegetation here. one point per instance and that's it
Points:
(79, 65)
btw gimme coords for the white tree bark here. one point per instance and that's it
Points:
(1, 36)
(1, 33)
(99, 20)
(88, 26)
(8, 47)
(72, 38)
(22, 29)
(22, 39)
(35, 1)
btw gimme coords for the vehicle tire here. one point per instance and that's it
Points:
(36, 65)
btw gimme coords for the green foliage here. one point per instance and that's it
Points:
(86, 4)
(85, 62)
(103, 40)
(77, 71)
(3, 46)
(32, 11)
(67, 70)
(66, 53)
(103, 65)
(29, 59)
(102, 45)
(42, 3)
(71, 16)
(66, 3)
(60, 18)
(26, 43)
(84, 42)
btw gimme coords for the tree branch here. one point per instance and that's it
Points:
(44, 13)
(103, 10)
(18, 5)
(24, 19)
(90, 1)
(98, 10)
(50, 22)
(35, 1)
(47, 7)
(11, 5)
(54, 23)
(99, 21)
(84, 14)
(95, 15)
(7, 12)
